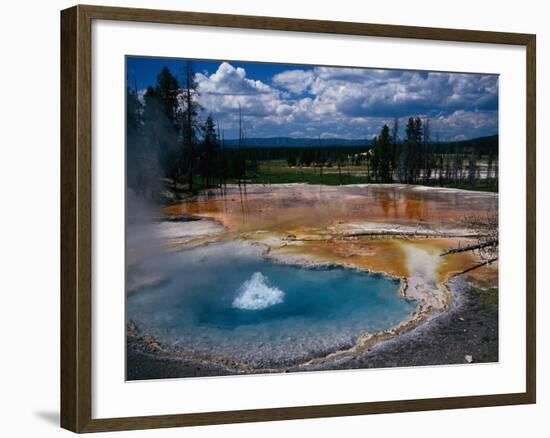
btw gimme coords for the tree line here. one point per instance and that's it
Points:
(417, 159)
(167, 140)
(169, 143)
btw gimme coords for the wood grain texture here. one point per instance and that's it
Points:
(69, 328)
(76, 221)
(303, 412)
(531, 213)
(76, 234)
(299, 25)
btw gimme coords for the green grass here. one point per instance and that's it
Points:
(277, 172)
(489, 298)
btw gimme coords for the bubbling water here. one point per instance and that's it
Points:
(256, 294)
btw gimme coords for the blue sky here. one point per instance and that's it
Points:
(316, 101)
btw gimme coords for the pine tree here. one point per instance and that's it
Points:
(189, 115)
(394, 146)
(385, 158)
(161, 128)
(207, 159)
(168, 90)
(428, 163)
(210, 138)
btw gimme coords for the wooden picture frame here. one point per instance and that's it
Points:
(76, 217)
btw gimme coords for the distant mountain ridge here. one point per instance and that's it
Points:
(479, 141)
(296, 142)
(300, 142)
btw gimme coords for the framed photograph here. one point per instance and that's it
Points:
(268, 218)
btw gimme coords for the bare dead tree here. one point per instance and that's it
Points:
(486, 246)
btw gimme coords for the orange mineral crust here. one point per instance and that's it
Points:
(373, 227)
(285, 206)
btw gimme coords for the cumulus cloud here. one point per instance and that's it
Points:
(229, 88)
(295, 81)
(465, 124)
(350, 102)
(379, 93)
(232, 81)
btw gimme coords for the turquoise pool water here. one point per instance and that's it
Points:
(227, 299)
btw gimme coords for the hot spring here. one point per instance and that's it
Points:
(227, 299)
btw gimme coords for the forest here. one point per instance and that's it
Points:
(170, 144)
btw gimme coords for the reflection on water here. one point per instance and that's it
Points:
(310, 212)
(283, 207)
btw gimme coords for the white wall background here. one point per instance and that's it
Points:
(29, 228)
